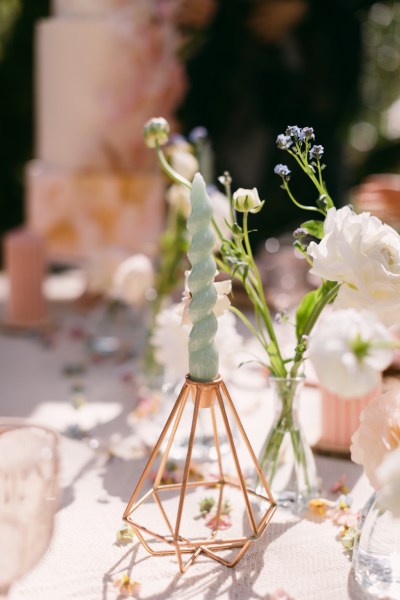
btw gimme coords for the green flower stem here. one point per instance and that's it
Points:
(217, 230)
(302, 161)
(249, 325)
(169, 171)
(298, 449)
(272, 451)
(246, 237)
(285, 424)
(259, 302)
(320, 176)
(319, 307)
(228, 193)
(302, 206)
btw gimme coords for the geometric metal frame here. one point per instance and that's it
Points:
(204, 396)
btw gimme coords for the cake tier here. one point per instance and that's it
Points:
(85, 7)
(77, 213)
(98, 80)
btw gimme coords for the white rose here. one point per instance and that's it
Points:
(345, 350)
(178, 195)
(133, 279)
(389, 482)
(184, 163)
(245, 200)
(363, 254)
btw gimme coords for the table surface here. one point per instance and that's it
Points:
(302, 555)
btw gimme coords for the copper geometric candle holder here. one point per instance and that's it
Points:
(171, 521)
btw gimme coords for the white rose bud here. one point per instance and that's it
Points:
(247, 200)
(156, 132)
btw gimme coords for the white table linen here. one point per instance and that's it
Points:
(304, 556)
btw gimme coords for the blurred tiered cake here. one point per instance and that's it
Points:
(103, 67)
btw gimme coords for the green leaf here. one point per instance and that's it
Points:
(311, 301)
(314, 228)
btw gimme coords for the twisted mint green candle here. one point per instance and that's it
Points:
(203, 354)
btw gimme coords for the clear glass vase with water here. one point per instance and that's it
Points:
(376, 555)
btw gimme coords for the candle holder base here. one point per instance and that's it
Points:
(198, 524)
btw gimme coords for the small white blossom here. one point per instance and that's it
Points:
(347, 354)
(245, 200)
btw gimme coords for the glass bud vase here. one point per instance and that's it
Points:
(286, 458)
(376, 555)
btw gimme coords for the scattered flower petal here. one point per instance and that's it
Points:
(344, 501)
(349, 538)
(339, 486)
(279, 594)
(318, 506)
(224, 522)
(206, 505)
(125, 534)
(127, 586)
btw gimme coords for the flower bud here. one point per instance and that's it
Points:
(156, 132)
(283, 171)
(247, 200)
(283, 141)
(225, 178)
